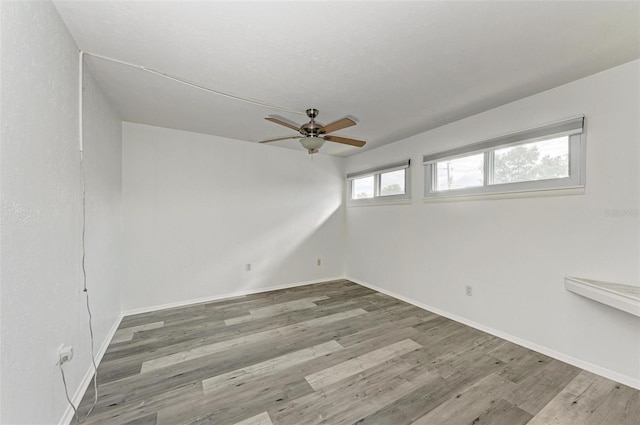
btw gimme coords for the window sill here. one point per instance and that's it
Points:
(622, 297)
(506, 195)
(378, 202)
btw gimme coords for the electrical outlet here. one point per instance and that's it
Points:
(65, 353)
(468, 290)
(248, 267)
(319, 262)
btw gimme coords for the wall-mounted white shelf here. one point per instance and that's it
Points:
(616, 295)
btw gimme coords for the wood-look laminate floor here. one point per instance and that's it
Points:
(336, 353)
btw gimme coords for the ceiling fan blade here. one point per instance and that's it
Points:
(337, 125)
(281, 122)
(345, 141)
(280, 138)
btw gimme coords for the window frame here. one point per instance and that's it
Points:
(573, 128)
(377, 172)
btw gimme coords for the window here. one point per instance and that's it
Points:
(545, 158)
(363, 188)
(385, 183)
(459, 173)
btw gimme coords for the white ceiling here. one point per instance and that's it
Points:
(397, 68)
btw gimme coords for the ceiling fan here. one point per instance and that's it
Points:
(313, 135)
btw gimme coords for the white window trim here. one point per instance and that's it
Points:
(574, 128)
(376, 172)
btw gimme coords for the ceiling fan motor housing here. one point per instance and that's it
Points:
(311, 129)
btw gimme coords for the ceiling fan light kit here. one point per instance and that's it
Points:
(314, 135)
(312, 144)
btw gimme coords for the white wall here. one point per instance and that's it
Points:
(198, 208)
(41, 281)
(516, 252)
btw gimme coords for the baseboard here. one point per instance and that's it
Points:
(67, 417)
(228, 295)
(598, 370)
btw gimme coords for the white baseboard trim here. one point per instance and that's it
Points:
(229, 295)
(598, 370)
(67, 417)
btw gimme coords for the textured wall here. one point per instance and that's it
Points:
(42, 305)
(516, 252)
(197, 208)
